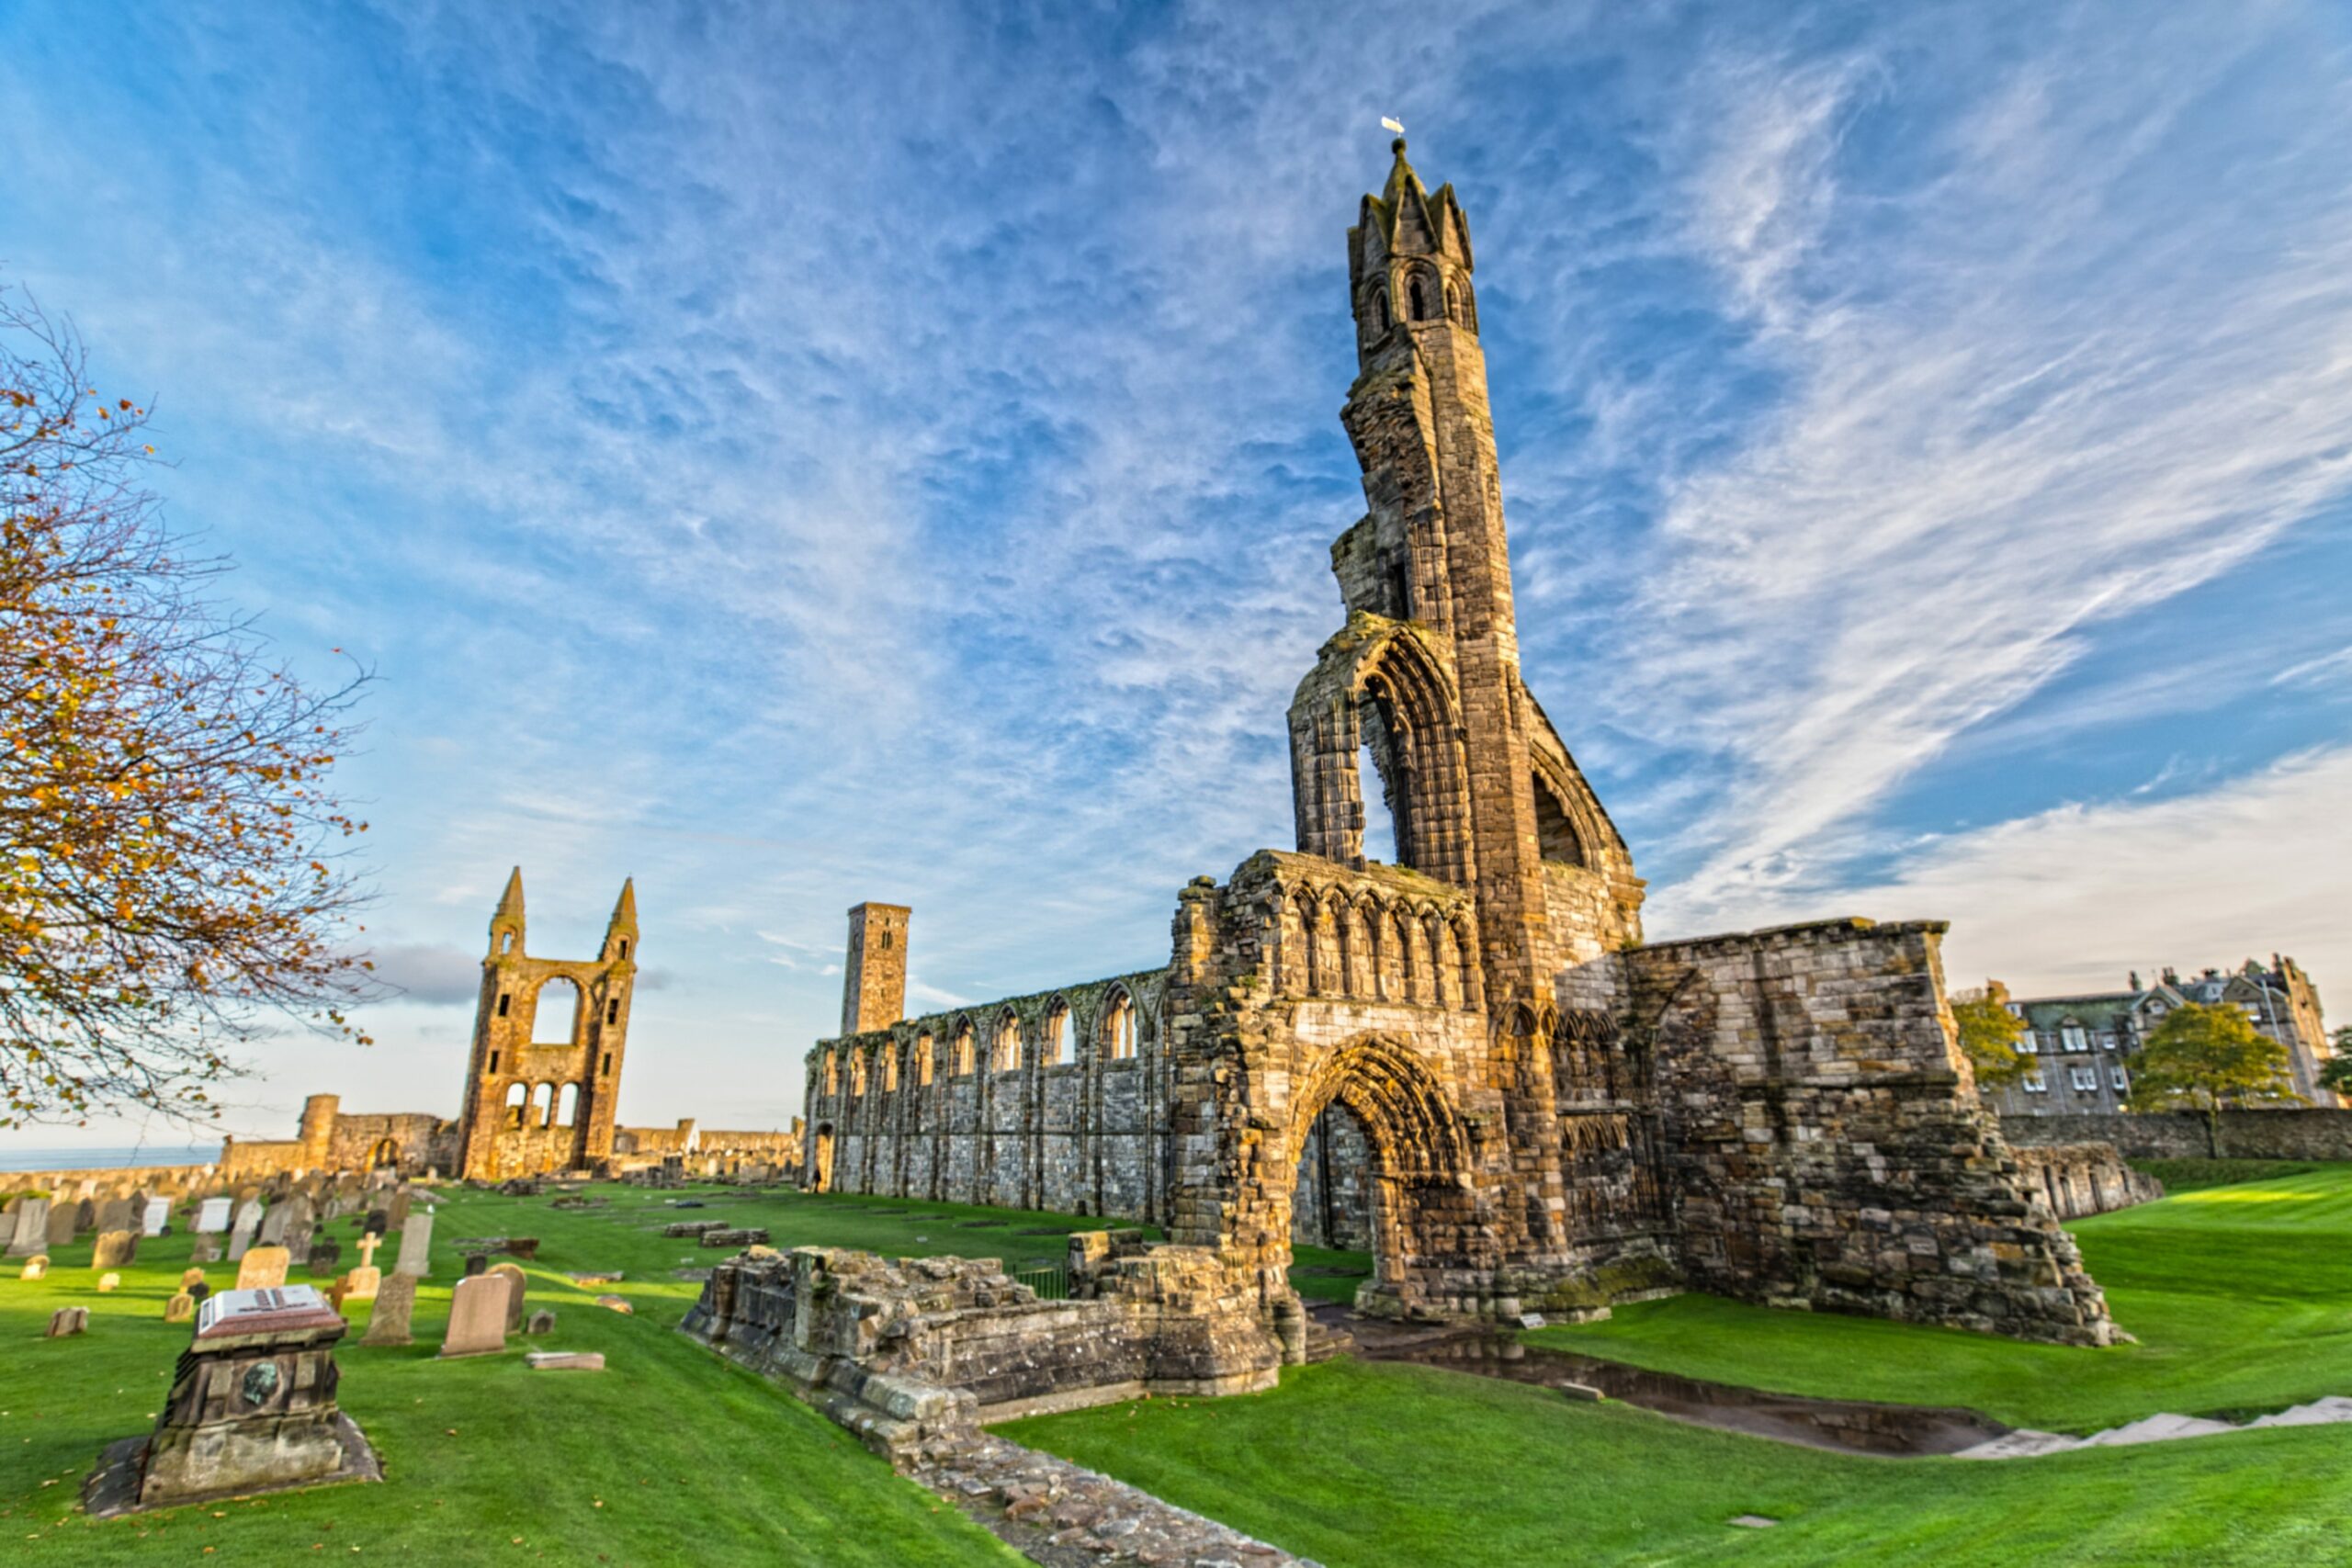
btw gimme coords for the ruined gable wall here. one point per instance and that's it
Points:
(1822, 1139)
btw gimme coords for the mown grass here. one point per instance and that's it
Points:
(669, 1455)
(2193, 1175)
(2240, 1295)
(2243, 1295)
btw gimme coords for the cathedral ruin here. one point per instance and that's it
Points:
(1470, 1063)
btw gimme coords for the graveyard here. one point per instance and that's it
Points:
(2236, 1293)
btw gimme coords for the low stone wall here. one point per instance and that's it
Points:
(915, 1356)
(109, 1181)
(2244, 1134)
(2086, 1179)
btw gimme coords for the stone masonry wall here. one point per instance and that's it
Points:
(2076, 1179)
(2244, 1134)
(1824, 1143)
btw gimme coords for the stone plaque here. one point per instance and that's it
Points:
(363, 1283)
(114, 1249)
(262, 1269)
(67, 1321)
(155, 1219)
(477, 1317)
(395, 1303)
(213, 1217)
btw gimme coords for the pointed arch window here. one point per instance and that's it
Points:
(1119, 1027)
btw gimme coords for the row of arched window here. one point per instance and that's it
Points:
(1425, 298)
(543, 1106)
(557, 1002)
(1356, 942)
(1117, 1035)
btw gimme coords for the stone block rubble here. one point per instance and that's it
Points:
(2027, 1443)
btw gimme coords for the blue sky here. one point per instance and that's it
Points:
(795, 455)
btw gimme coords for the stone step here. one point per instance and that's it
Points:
(1323, 1342)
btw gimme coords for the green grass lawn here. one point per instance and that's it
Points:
(670, 1455)
(2242, 1293)
(2240, 1296)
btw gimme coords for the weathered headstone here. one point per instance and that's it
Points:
(67, 1321)
(379, 1222)
(212, 1215)
(109, 1282)
(513, 1296)
(564, 1360)
(64, 1223)
(362, 1283)
(205, 1250)
(86, 1213)
(325, 1253)
(156, 1217)
(477, 1317)
(263, 1269)
(31, 1232)
(616, 1303)
(190, 1277)
(180, 1308)
(477, 1263)
(115, 1248)
(35, 1267)
(416, 1243)
(200, 1290)
(395, 1303)
(114, 1214)
(245, 1228)
(397, 1212)
(253, 1405)
(298, 1236)
(541, 1321)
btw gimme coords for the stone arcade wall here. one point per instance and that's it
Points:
(915, 1356)
(2244, 1134)
(2076, 1179)
(1824, 1142)
(978, 1106)
(411, 1142)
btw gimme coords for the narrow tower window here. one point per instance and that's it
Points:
(503, 1000)
(1420, 297)
(607, 1066)
(611, 1012)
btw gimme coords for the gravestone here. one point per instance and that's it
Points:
(109, 1284)
(616, 1303)
(477, 1317)
(263, 1269)
(541, 1321)
(35, 1267)
(515, 1295)
(395, 1303)
(180, 1308)
(476, 1263)
(190, 1277)
(397, 1212)
(114, 1249)
(207, 1251)
(253, 1405)
(86, 1213)
(277, 1217)
(379, 1222)
(213, 1217)
(200, 1290)
(114, 1214)
(67, 1321)
(64, 1223)
(325, 1253)
(245, 1228)
(416, 1243)
(31, 1233)
(297, 1237)
(564, 1360)
(362, 1283)
(156, 1217)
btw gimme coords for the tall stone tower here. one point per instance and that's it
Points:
(874, 969)
(1426, 676)
(544, 1079)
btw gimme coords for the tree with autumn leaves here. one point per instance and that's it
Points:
(175, 873)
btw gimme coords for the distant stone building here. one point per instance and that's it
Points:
(542, 1081)
(2082, 1046)
(1472, 1058)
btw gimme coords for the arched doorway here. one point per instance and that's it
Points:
(385, 1152)
(1375, 1109)
(821, 1159)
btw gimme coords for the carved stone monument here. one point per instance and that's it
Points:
(416, 1243)
(263, 1269)
(252, 1409)
(395, 1303)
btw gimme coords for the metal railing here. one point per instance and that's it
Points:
(1051, 1284)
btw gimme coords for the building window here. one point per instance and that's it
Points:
(503, 1000)
(1007, 1053)
(2107, 1040)
(2120, 1078)
(891, 1070)
(611, 1012)
(606, 1069)
(2025, 1047)
(624, 950)
(2072, 1037)
(2084, 1079)
(1119, 1027)
(493, 1061)
(2034, 1084)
